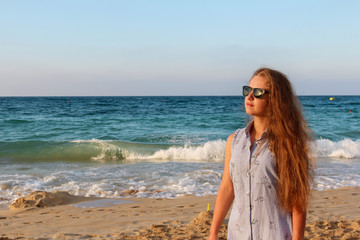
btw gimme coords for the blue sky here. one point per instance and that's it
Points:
(116, 48)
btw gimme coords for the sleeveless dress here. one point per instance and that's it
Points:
(255, 213)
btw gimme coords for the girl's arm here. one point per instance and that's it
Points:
(225, 194)
(299, 221)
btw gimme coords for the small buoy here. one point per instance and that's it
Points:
(332, 98)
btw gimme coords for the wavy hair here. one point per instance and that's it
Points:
(289, 140)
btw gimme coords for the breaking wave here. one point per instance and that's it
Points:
(113, 151)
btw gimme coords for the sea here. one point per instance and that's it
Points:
(152, 147)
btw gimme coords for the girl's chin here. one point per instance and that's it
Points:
(255, 114)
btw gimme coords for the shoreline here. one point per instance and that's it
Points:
(332, 214)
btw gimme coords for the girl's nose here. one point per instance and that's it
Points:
(251, 95)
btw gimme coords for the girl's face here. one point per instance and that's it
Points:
(257, 106)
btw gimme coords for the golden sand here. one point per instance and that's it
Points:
(333, 214)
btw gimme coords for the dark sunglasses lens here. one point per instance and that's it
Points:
(246, 90)
(258, 92)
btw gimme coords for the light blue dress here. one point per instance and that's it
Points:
(255, 213)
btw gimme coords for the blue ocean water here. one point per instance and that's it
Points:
(153, 146)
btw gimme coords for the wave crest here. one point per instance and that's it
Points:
(210, 151)
(342, 149)
(112, 151)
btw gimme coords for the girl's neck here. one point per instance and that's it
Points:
(259, 126)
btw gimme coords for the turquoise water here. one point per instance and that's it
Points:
(156, 146)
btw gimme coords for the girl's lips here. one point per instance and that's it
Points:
(250, 105)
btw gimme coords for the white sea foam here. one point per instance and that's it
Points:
(210, 151)
(342, 149)
(337, 166)
(166, 179)
(112, 151)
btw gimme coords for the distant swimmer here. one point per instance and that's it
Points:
(350, 111)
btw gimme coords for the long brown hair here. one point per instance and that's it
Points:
(289, 140)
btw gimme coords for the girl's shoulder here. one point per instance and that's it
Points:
(239, 134)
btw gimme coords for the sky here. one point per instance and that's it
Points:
(187, 47)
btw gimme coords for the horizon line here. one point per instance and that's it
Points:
(220, 95)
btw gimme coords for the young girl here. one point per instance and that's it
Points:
(267, 172)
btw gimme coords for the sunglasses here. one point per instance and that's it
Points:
(258, 92)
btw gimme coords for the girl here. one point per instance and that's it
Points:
(267, 171)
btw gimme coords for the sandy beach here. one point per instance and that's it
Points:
(333, 214)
